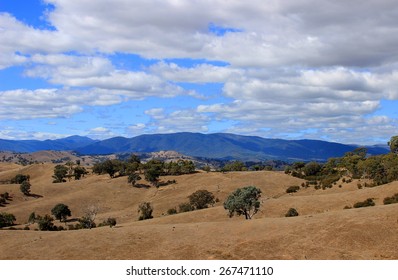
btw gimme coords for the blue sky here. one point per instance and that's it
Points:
(276, 69)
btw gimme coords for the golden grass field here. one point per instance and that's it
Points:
(323, 230)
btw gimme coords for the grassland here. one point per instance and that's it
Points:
(323, 230)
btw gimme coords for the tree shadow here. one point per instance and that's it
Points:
(169, 182)
(35, 195)
(71, 220)
(142, 186)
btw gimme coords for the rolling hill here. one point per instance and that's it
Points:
(217, 145)
(323, 230)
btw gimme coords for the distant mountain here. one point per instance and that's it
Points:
(29, 146)
(217, 146)
(226, 146)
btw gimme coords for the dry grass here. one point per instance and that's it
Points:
(322, 231)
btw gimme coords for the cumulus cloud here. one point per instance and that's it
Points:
(294, 67)
(48, 103)
(176, 121)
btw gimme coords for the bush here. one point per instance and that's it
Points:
(85, 222)
(201, 199)
(146, 210)
(6, 219)
(19, 178)
(292, 189)
(111, 222)
(25, 187)
(368, 202)
(172, 211)
(292, 213)
(185, 207)
(46, 223)
(391, 200)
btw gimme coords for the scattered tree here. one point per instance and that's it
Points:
(19, 178)
(6, 219)
(25, 187)
(243, 201)
(201, 199)
(393, 143)
(60, 173)
(45, 223)
(146, 210)
(292, 189)
(133, 178)
(292, 213)
(61, 212)
(185, 207)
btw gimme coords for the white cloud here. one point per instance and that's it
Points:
(180, 120)
(48, 103)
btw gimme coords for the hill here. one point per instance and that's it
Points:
(216, 146)
(324, 230)
(29, 146)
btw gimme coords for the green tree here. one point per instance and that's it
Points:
(312, 168)
(152, 175)
(201, 199)
(61, 212)
(133, 178)
(243, 201)
(25, 187)
(45, 223)
(6, 219)
(60, 172)
(19, 178)
(79, 171)
(146, 210)
(393, 143)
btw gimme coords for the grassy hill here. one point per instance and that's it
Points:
(324, 230)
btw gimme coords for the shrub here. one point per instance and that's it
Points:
(32, 218)
(85, 222)
(172, 211)
(146, 210)
(25, 187)
(347, 207)
(2, 201)
(292, 189)
(185, 207)
(46, 223)
(19, 178)
(201, 199)
(26, 228)
(6, 219)
(292, 212)
(391, 200)
(368, 202)
(111, 222)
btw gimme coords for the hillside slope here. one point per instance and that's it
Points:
(322, 231)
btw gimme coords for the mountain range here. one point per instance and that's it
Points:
(218, 146)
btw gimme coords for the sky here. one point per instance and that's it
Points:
(291, 69)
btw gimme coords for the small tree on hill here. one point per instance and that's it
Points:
(45, 223)
(133, 178)
(146, 210)
(61, 212)
(25, 187)
(393, 143)
(60, 173)
(6, 219)
(201, 199)
(243, 201)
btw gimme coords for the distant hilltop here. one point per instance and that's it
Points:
(217, 145)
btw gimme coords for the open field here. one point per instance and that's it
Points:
(322, 231)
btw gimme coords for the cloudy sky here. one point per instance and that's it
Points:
(293, 69)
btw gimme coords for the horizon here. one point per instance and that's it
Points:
(182, 132)
(277, 70)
